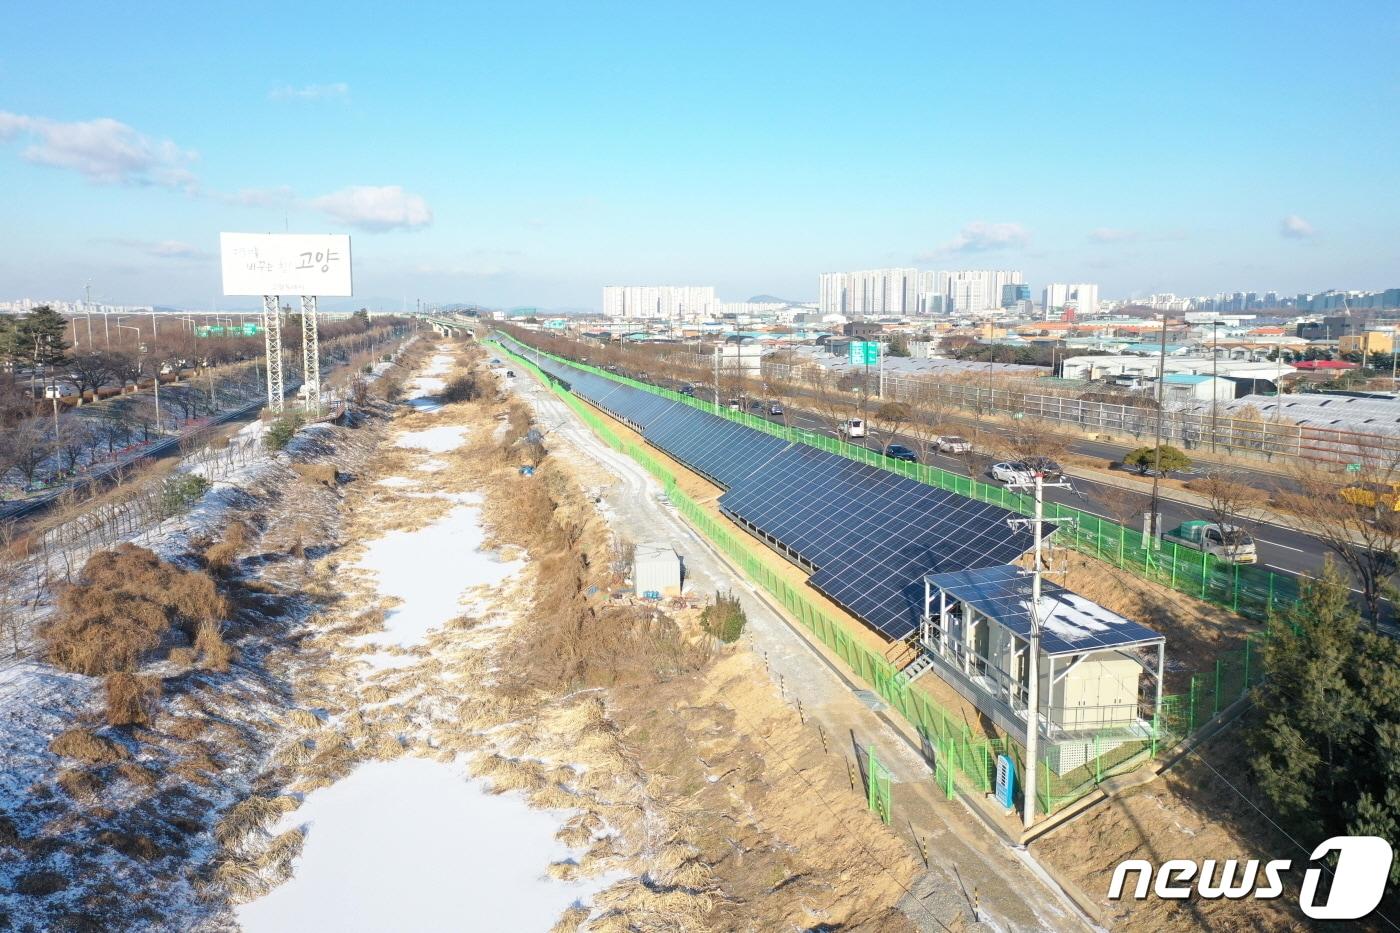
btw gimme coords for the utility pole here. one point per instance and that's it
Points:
(1215, 376)
(716, 375)
(1037, 523)
(1033, 664)
(1153, 531)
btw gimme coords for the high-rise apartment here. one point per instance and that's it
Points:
(971, 291)
(666, 302)
(909, 292)
(1082, 297)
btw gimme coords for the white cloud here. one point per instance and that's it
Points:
(310, 92)
(163, 249)
(982, 237)
(174, 249)
(280, 196)
(105, 151)
(376, 208)
(1296, 228)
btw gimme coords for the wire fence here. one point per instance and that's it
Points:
(962, 757)
(1192, 428)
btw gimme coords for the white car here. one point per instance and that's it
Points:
(951, 444)
(1012, 473)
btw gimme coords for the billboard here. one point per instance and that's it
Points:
(286, 264)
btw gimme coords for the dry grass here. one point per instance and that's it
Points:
(78, 783)
(323, 474)
(571, 921)
(87, 746)
(131, 698)
(250, 817)
(579, 830)
(137, 774)
(187, 727)
(215, 654)
(124, 603)
(304, 719)
(221, 556)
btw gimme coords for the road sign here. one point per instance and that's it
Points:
(1353, 468)
(863, 352)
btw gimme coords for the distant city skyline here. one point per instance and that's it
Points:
(532, 153)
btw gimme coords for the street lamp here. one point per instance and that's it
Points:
(1215, 379)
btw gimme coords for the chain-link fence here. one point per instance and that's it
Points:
(961, 756)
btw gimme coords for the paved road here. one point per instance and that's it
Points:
(1281, 549)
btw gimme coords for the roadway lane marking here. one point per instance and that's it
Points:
(1286, 547)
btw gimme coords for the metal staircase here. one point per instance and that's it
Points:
(921, 664)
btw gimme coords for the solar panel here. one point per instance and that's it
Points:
(1069, 623)
(870, 535)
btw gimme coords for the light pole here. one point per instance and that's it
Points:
(1157, 452)
(1214, 380)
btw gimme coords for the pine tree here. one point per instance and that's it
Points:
(39, 338)
(1327, 744)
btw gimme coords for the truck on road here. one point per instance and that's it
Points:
(1227, 542)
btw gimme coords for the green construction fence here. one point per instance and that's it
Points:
(961, 757)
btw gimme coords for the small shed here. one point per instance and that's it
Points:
(656, 571)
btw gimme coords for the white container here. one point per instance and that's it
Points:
(656, 571)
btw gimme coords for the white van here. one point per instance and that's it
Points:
(60, 390)
(854, 427)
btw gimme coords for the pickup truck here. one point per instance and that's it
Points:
(1227, 542)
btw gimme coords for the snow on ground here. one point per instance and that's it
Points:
(412, 844)
(437, 440)
(429, 570)
(394, 481)
(424, 391)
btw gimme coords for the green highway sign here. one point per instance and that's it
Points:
(866, 352)
(1353, 468)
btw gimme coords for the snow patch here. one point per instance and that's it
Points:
(437, 440)
(411, 844)
(429, 570)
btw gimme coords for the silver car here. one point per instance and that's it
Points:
(951, 444)
(1012, 473)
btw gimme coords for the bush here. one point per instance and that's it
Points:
(1145, 458)
(280, 432)
(462, 389)
(123, 605)
(131, 699)
(180, 492)
(724, 618)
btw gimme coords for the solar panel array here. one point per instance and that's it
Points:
(1069, 623)
(870, 535)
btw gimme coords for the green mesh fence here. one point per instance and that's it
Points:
(960, 757)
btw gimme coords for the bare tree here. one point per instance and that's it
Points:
(1228, 498)
(1032, 439)
(91, 370)
(830, 404)
(1358, 522)
(890, 419)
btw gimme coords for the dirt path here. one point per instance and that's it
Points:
(964, 857)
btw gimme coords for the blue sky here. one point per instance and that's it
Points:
(528, 153)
